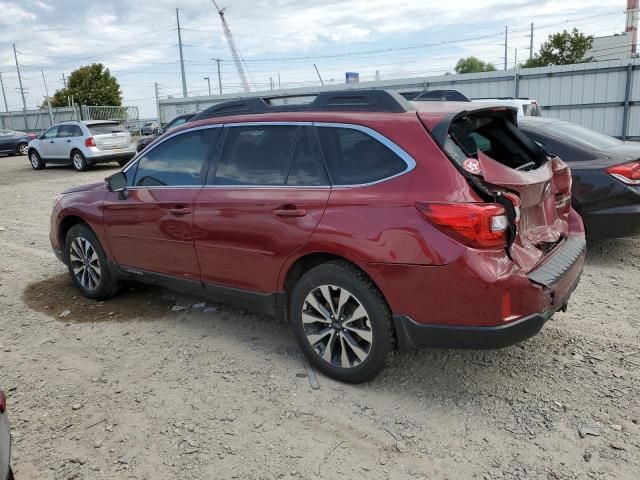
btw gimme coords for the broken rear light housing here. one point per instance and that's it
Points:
(479, 225)
(628, 173)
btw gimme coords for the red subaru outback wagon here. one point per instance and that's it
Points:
(369, 223)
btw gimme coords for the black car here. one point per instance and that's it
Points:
(605, 170)
(176, 122)
(5, 440)
(14, 143)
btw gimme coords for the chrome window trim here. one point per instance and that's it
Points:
(408, 159)
(150, 149)
(395, 148)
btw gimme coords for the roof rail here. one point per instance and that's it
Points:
(500, 98)
(334, 101)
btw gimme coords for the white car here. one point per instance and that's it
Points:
(526, 107)
(82, 144)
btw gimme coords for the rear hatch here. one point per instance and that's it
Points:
(511, 170)
(110, 136)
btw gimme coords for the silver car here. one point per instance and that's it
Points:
(82, 144)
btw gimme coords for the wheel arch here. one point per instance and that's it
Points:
(302, 264)
(63, 229)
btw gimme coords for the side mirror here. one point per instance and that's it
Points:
(117, 182)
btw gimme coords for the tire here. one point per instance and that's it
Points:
(87, 263)
(22, 149)
(10, 477)
(353, 357)
(78, 161)
(36, 161)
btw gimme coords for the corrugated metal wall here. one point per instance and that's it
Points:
(597, 95)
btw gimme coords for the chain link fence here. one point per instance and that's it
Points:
(37, 121)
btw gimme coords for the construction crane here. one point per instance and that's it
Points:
(232, 47)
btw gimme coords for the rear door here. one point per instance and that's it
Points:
(67, 139)
(512, 165)
(110, 136)
(263, 201)
(152, 228)
(7, 141)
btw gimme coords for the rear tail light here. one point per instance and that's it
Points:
(628, 173)
(89, 142)
(3, 402)
(479, 225)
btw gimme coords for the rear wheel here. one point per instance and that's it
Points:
(87, 263)
(36, 161)
(23, 149)
(342, 322)
(78, 160)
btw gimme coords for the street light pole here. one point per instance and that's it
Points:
(208, 84)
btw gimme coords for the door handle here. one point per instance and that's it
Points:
(289, 211)
(179, 211)
(52, 141)
(68, 141)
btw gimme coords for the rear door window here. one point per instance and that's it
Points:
(182, 160)
(69, 131)
(106, 128)
(307, 168)
(354, 158)
(256, 155)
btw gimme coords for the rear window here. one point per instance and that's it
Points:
(495, 136)
(355, 158)
(106, 128)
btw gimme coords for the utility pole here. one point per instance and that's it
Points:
(208, 84)
(506, 46)
(219, 77)
(515, 61)
(6, 106)
(64, 80)
(279, 86)
(271, 82)
(321, 82)
(157, 102)
(24, 102)
(531, 43)
(184, 78)
(46, 90)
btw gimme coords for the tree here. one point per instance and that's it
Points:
(472, 65)
(90, 85)
(562, 48)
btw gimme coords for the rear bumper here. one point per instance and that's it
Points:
(101, 156)
(557, 278)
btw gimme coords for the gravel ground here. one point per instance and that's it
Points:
(129, 388)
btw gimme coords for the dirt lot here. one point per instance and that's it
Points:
(131, 389)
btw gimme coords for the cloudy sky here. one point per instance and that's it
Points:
(138, 41)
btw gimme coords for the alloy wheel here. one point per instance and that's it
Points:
(77, 161)
(35, 162)
(337, 326)
(85, 263)
(24, 149)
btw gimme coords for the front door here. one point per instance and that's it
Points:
(47, 144)
(152, 228)
(268, 192)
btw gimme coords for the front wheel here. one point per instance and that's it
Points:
(36, 161)
(78, 160)
(87, 263)
(342, 322)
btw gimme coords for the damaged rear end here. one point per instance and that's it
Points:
(526, 195)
